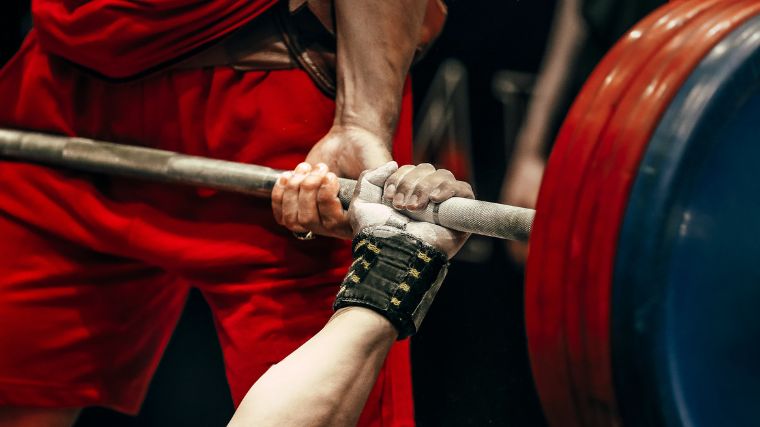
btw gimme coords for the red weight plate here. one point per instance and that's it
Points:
(588, 326)
(589, 373)
(613, 170)
(663, 24)
(545, 316)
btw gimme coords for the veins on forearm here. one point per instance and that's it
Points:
(376, 44)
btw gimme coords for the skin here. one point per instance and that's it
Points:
(326, 381)
(376, 45)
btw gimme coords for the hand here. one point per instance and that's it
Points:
(410, 187)
(349, 150)
(520, 188)
(307, 200)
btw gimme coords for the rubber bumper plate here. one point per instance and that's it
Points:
(568, 315)
(546, 296)
(686, 323)
(609, 176)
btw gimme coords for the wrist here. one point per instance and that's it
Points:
(378, 118)
(365, 322)
(395, 274)
(367, 135)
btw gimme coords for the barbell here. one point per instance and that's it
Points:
(643, 281)
(472, 216)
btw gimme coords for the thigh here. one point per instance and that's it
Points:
(78, 327)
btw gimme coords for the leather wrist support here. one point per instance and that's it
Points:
(395, 274)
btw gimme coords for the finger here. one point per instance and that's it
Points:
(358, 187)
(420, 196)
(389, 192)
(277, 192)
(449, 189)
(308, 214)
(405, 187)
(290, 198)
(334, 219)
(379, 175)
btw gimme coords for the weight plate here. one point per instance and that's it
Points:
(545, 310)
(685, 322)
(605, 190)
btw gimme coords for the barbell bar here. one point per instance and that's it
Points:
(472, 216)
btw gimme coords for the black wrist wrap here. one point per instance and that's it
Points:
(395, 274)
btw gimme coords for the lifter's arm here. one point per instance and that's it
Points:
(327, 380)
(377, 40)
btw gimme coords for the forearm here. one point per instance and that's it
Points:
(326, 381)
(376, 44)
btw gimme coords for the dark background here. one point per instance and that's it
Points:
(470, 369)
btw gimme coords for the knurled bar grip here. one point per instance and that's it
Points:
(472, 216)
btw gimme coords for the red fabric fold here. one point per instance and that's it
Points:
(124, 38)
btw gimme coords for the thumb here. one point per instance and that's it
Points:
(370, 183)
(378, 175)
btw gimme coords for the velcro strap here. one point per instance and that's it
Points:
(395, 274)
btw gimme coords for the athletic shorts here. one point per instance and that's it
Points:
(95, 270)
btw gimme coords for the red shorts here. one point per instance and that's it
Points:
(94, 270)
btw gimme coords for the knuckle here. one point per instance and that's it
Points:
(404, 186)
(400, 173)
(445, 173)
(445, 185)
(293, 185)
(446, 189)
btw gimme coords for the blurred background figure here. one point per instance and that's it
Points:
(582, 32)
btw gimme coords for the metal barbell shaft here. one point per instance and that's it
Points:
(473, 216)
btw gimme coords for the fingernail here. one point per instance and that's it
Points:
(390, 191)
(398, 200)
(331, 177)
(412, 202)
(435, 192)
(303, 168)
(321, 167)
(284, 177)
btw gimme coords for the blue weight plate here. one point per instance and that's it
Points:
(686, 298)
